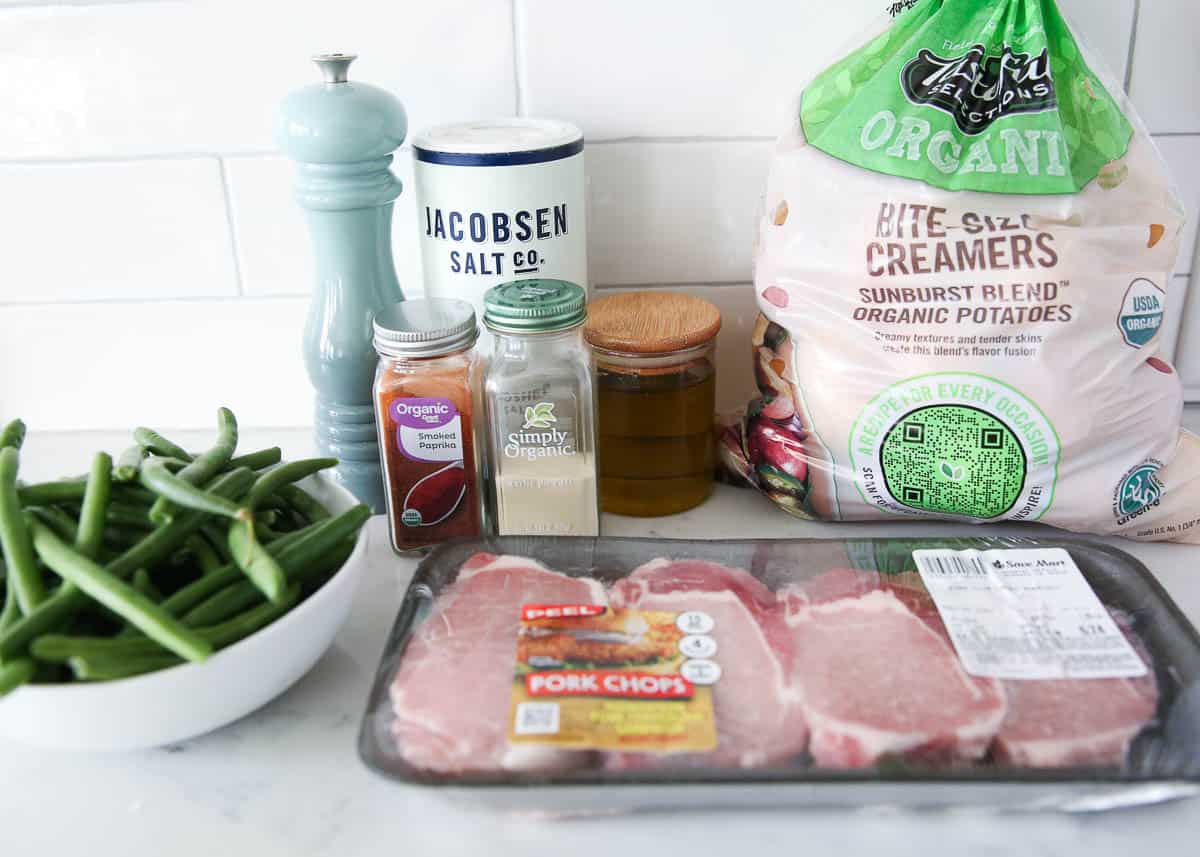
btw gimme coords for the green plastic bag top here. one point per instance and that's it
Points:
(985, 95)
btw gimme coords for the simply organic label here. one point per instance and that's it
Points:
(1025, 614)
(590, 676)
(537, 427)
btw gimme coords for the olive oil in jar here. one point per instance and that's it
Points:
(656, 391)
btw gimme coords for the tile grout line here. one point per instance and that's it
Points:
(191, 299)
(1133, 33)
(230, 226)
(41, 4)
(518, 74)
(131, 159)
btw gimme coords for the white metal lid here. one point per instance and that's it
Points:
(495, 136)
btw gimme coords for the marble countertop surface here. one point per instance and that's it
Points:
(287, 780)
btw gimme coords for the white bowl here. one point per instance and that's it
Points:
(182, 702)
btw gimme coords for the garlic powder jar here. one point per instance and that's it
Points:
(499, 200)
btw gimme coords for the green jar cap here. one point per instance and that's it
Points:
(534, 306)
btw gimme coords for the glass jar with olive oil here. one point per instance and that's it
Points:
(656, 393)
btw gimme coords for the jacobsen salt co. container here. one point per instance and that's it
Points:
(499, 200)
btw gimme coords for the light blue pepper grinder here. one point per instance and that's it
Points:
(341, 134)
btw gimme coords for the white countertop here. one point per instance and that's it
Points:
(287, 780)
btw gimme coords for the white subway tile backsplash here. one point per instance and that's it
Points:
(274, 250)
(1166, 66)
(1104, 28)
(628, 68)
(1182, 155)
(167, 363)
(1187, 357)
(673, 212)
(129, 79)
(153, 229)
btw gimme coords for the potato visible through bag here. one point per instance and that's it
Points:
(962, 302)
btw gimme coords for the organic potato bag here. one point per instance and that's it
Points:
(961, 268)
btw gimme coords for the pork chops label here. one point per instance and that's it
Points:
(594, 677)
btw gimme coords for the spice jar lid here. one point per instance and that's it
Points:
(651, 322)
(534, 306)
(425, 328)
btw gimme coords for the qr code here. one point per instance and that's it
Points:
(537, 718)
(954, 459)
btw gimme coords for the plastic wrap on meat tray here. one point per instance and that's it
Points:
(919, 664)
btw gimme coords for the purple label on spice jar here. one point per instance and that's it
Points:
(422, 413)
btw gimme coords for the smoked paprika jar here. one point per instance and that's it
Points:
(423, 410)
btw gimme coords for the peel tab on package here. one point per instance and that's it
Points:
(1025, 614)
(594, 677)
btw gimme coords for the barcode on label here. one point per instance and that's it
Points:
(948, 563)
(537, 718)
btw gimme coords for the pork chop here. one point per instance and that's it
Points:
(757, 718)
(874, 678)
(1053, 723)
(453, 691)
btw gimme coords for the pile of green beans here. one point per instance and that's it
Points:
(157, 559)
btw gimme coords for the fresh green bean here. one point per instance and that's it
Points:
(238, 596)
(265, 534)
(293, 551)
(58, 520)
(72, 491)
(204, 553)
(217, 540)
(108, 589)
(159, 445)
(285, 474)
(48, 493)
(254, 560)
(202, 468)
(142, 583)
(14, 538)
(129, 463)
(13, 434)
(132, 494)
(154, 547)
(95, 506)
(130, 517)
(173, 487)
(122, 537)
(60, 648)
(15, 673)
(257, 460)
(111, 669)
(10, 612)
(303, 502)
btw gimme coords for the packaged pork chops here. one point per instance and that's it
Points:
(1001, 672)
(961, 269)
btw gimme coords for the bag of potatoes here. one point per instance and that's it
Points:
(962, 268)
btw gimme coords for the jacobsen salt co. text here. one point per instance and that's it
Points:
(499, 201)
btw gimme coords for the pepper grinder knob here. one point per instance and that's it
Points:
(341, 134)
(335, 68)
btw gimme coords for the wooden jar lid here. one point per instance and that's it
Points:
(651, 322)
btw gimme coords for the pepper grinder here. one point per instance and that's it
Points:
(341, 134)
